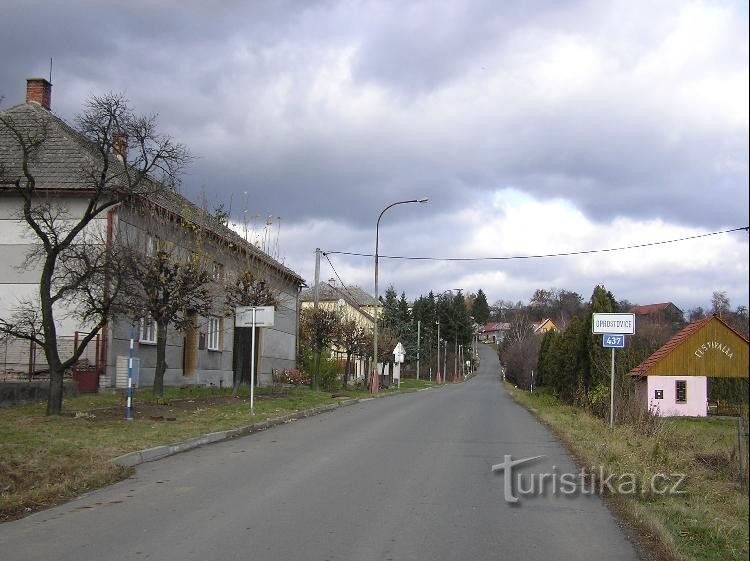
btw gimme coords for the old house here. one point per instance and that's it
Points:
(201, 354)
(493, 332)
(674, 380)
(349, 302)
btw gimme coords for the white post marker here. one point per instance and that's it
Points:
(129, 406)
(613, 328)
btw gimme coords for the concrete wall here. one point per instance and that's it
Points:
(697, 396)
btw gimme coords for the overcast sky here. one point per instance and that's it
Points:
(534, 128)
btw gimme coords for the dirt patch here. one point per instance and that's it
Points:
(166, 412)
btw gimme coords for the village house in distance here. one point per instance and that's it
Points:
(203, 353)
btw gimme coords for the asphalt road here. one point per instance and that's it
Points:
(403, 478)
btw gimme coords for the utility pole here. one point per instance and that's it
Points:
(455, 358)
(419, 327)
(316, 286)
(437, 369)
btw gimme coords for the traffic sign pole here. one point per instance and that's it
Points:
(612, 392)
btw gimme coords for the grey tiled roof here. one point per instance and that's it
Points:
(66, 156)
(328, 292)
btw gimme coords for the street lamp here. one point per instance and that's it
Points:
(437, 374)
(375, 382)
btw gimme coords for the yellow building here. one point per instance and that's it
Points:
(351, 303)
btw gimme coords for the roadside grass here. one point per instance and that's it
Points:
(47, 460)
(708, 522)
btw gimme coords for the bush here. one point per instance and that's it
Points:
(330, 371)
(598, 400)
(294, 377)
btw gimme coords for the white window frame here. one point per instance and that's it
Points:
(213, 335)
(148, 333)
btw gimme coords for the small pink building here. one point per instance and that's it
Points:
(674, 381)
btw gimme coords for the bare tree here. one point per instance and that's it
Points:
(318, 329)
(108, 132)
(352, 338)
(165, 288)
(720, 303)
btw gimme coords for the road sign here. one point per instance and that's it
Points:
(613, 341)
(618, 324)
(399, 353)
(243, 316)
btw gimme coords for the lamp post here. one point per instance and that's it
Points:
(375, 382)
(437, 372)
(445, 357)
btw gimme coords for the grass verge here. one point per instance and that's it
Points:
(708, 522)
(48, 460)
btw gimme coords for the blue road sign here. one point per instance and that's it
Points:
(612, 341)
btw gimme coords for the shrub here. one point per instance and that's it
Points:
(294, 377)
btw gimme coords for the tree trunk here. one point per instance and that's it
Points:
(161, 357)
(55, 399)
(317, 370)
(346, 368)
(51, 352)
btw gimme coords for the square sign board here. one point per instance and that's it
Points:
(243, 316)
(616, 324)
(610, 341)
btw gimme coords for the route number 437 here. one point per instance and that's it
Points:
(613, 341)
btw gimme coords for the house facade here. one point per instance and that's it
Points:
(674, 381)
(493, 332)
(541, 327)
(202, 354)
(349, 302)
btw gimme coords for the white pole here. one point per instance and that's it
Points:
(252, 367)
(612, 392)
(129, 407)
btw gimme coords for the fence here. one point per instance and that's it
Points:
(24, 361)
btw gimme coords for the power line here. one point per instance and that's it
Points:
(565, 254)
(343, 284)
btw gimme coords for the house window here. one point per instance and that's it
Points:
(214, 334)
(218, 272)
(152, 245)
(148, 332)
(681, 391)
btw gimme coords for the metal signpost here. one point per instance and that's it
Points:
(398, 358)
(252, 317)
(613, 328)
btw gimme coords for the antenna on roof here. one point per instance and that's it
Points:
(50, 70)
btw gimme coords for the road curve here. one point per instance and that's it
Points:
(404, 478)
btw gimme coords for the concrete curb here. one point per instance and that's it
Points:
(158, 452)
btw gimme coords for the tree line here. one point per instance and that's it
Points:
(571, 362)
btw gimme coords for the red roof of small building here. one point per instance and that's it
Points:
(495, 326)
(649, 309)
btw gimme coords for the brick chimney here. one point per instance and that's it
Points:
(120, 145)
(39, 90)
